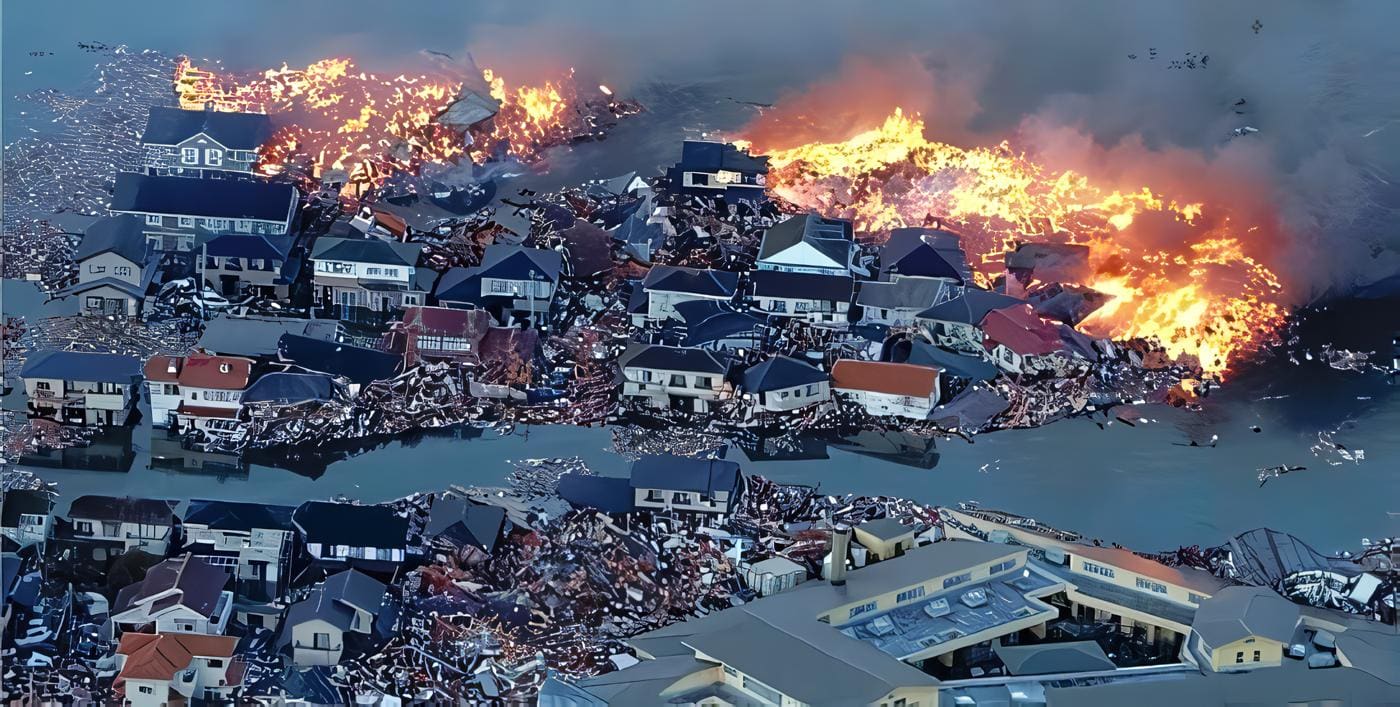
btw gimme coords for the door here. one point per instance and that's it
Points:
(228, 285)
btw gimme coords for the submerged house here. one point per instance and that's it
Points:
(897, 389)
(666, 286)
(123, 523)
(197, 392)
(113, 272)
(361, 275)
(674, 377)
(719, 169)
(174, 210)
(81, 388)
(250, 541)
(1019, 341)
(203, 143)
(340, 536)
(820, 299)
(239, 264)
(335, 622)
(956, 324)
(781, 383)
(671, 483)
(438, 334)
(511, 281)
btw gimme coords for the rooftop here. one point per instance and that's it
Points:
(235, 131)
(82, 366)
(889, 378)
(206, 198)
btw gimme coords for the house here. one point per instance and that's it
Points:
(773, 575)
(180, 595)
(808, 243)
(511, 281)
(717, 169)
(587, 253)
(820, 299)
(956, 324)
(438, 334)
(279, 389)
(126, 523)
(176, 209)
(156, 669)
(884, 538)
(197, 392)
(366, 274)
(256, 337)
(26, 516)
(640, 238)
(665, 482)
(203, 143)
(666, 286)
(251, 541)
(81, 388)
(336, 622)
(672, 376)
(467, 529)
(360, 365)
(1242, 628)
(899, 302)
(1019, 341)
(898, 389)
(781, 383)
(343, 535)
(925, 253)
(718, 327)
(113, 276)
(241, 264)
(378, 223)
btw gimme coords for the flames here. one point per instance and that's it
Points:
(1207, 299)
(337, 116)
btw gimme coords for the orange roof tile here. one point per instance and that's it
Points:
(881, 377)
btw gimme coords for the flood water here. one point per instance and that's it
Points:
(1140, 486)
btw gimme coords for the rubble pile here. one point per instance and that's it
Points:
(37, 250)
(119, 335)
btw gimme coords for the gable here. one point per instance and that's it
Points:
(804, 254)
(202, 141)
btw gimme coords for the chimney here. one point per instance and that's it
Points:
(840, 547)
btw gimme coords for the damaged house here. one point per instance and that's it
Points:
(337, 536)
(174, 210)
(356, 277)
(251, 541)
(81, 388)
(335, 622)
(123, 523)
(897, 389)
(1018, 341)
(956, 324)
(719, 169)
(236, 265)
(197, 392)
(512, 281)
(665, 482)
(113, 276)
(819, 299)
(438, 334)
(811, 244)
(666, 286)
(180, 595)
(687, 379)
(203, 143)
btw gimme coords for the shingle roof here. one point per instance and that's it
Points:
(233, 515)
(258, 336)
(831, 237)
(207, 198)
(513, 262)
(334, 601)
(475, 523)
(248, 245)
(781, 372)
(1046, 659)
(709, 283)
(120, 234)
(360, 365)
(366, 250)
(161, 656)
(904, 293)
(147, 511)
(235, 131)
(356, 589)
(1018, 328)
(796, 285)
(925, 252)
(674, 358)
(82, 366)
(668, 471)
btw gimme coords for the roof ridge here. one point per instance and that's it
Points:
(817, 648)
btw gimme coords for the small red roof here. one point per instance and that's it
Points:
(161, 656)
(201, 370)
(880, 377)
(1019, 328)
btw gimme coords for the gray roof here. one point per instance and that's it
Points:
(513, 262)
(235, 131)
(706, 282)
(366, 250)
(1050, 658)
(925, 252)
(82, 366)
(148, 511)
(969, 308)
(334, 601)
(831, 237)
(1375, 652)
(667, 471)
(206, 198)
(642, 684)
(258, 336)
(121, 234)
(672, 358)
(885, 528)
(781, 372)
(904, 293)
(356, 589)
(1290, 683)
(922, 353)
(1234, 613)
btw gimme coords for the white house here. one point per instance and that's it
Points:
(820, 299)
(366, 273)
(180, 595)
(511, 281)
(322, 628)
(203, 143)
(81, 388)
(198, 391)
(956, 324)
(1018, 341)
(155, 670)
(123, 522)
(809, 243)
(665, 482)
(781, 384)
(112, 273)
(27, 516)
(252, 541)
(174, 210)
(895, 389)
(672, 376)
(342, 535)
(718, 169)
(899, 302)
(666, 286)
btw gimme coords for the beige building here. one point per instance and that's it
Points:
(885, 538)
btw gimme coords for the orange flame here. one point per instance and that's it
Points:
(1210, 300)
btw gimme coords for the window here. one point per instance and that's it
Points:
(1195, 598)
(95, 268)
(678, 381)
(83, 526)
(680, 498)
(189, 155)
(152, 220)
(214, 157)
(1001, 566)
(730, 671)
(216, 663)
(784, 395)
(955, 580)
(801, 307)
(383, 553)
(371, 271)
(94, 303)
(30, 519)
(391, 272)
(122, 270)
(186, 222)
(702, 381)
(1092, 568)
(145, 690)
(646, 375)
(242, 225)
(1256, 656)
(811, 390)
(321, 641)
(501, 286)
(1151, 586)
(656, 496)
(170, 389)
(218, 224)
(862, 609)
(779, 306)
(910, 594)
(1239, 657)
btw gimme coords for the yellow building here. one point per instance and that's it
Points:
(1243, 628)
(885, 538)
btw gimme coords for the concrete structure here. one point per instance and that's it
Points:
(81, 388)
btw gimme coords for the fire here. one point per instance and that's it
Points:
(1209, 300)
(341, 117)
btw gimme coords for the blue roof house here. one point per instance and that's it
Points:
(81, 388)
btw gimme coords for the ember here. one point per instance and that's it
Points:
(1211, 300)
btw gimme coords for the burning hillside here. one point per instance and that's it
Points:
(335, 116)
(1205, 296)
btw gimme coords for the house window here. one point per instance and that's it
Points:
(910, 594)
(242, 225)
(145, 689)
(215, 158)
(680, 498)
(1151, 586)
(152, 220)
(391, 272)
(501, 286)
(656, 496)
(1001, 566)
(1256, 656)
(189, 155)
(321, 641)
(862, 609)
(1195, 598)
(784, 395)
(216, 663)
(171, 389)
(94, 303)
(95, 268)
(83, 526)
(371, 271)
(801, 307)
(955, 580)
(1239, 657)
(702, 381)
(122, 270)
(383, 553)
(186, 222)
(1100, 570)
(646, 376)
(678, 381)
(779, 306)
(811, 390)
